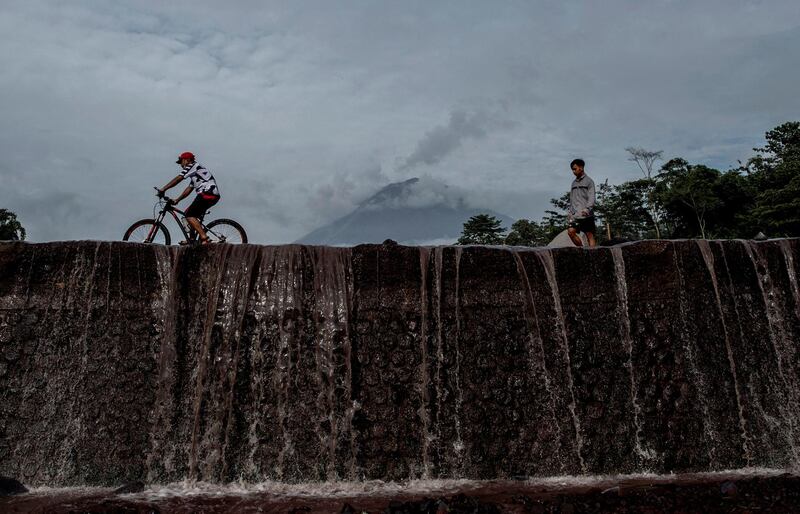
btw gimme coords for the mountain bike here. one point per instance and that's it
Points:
(154, 231)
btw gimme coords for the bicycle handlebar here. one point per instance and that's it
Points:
(160, 194)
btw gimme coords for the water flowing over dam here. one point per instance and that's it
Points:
(296, 363)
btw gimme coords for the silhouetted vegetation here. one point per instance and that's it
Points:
(482, 229)
(10, 228)
(685, 200)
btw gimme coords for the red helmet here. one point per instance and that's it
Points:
(185, 155)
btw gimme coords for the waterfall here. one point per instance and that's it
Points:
(293, 363)
(424, 372)
(711, 434)
(548, 266)
(539, 366)
(781, 344)
(708, 258)
(627, 340)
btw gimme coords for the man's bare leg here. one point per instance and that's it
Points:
(573, 234)
(198, 227)
(590, 238)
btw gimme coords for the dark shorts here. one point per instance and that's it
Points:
(200, 205)
(583, 225)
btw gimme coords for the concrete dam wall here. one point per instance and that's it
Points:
(296, 363)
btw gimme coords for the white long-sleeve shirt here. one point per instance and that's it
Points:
(582, 197)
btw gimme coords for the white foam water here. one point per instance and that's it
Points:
(434, 487)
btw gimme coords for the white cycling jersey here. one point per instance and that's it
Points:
(201, 179)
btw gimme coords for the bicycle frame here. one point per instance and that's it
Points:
(169, 208)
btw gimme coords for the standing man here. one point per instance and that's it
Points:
(581, 205)
(203, 183)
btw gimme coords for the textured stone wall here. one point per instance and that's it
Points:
(123, 361)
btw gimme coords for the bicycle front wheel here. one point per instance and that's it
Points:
(226, 231)
(147, 231)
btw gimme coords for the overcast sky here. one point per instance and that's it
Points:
(303, 109)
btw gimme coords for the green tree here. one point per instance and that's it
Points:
(688, 193)
(482, 229)
(645, 160)
(530, 233)
(774, 172)
(557, 219)
(734, 219)
(10, 228)
(623, 210)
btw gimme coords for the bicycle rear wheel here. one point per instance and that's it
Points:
(226, 231)
(147, 231)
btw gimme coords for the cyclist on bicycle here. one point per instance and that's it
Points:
(203, 183)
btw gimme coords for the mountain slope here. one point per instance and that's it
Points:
(412, 212)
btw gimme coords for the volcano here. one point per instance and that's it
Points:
(416, 211)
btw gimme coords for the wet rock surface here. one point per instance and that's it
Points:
(11, 486)
(121, 362)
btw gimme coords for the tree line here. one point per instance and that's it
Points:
(678, 200)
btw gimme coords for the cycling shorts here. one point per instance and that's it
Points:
(201, 204)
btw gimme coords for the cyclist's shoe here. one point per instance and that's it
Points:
(192, 242)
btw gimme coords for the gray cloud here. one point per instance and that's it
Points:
(343, 192)
(55, 216)
(442, 140)
(304, 109)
